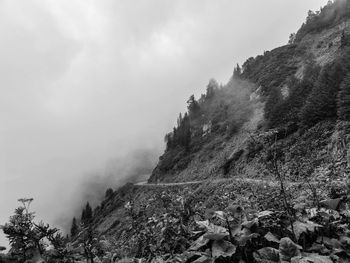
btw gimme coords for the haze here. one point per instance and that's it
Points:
(88, 89)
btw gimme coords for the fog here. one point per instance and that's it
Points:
(88, 89)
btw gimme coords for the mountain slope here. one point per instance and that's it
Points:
(265, 140)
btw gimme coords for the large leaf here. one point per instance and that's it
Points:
(250, 224)
(215, 235)
(204, 259)
(329, 242)
(244, 236)
(266, 255)
(220, 214)
(199, 243)
(222, 248)
(303, 227)
(264, 213)
(203, 224)
(288, 249)
(154, 260)
(235, 210)
(312, 258)
(271, 238)
(216, 232)
(331, 203)
(213, 230)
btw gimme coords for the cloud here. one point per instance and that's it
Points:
(84, 82)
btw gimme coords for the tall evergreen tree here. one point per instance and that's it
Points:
(237, 71)
(193, 107)
(343, 100)
(86, 216)
(211, 87)
(83, 216)
(321, 104)
(186, 132)
(74, 228)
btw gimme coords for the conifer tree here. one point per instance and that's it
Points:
(74, 228)
(211, 87)
(83, 216)
(343, 100)
(237, 71)
(322, 102)
(186, 132)
(86, 216)
(193, 107)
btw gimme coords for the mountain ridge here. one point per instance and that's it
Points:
(275, 127)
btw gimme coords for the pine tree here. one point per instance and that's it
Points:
(193, 107)
(88, 213)
(109, 193)
(74, 228)
(83, 216)
(86, 216)
(343, 100)
(186, 132)
(237, 71)
(321, 104)
(211, 87)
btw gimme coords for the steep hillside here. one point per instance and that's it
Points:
(275, 138)
(274, 93)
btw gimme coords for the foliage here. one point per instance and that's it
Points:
(237, 71)
(281, 110)
(330, 15)
(193, 107)
(161, 233)
(191, 228)
(321, 104)
(89, 242)
(345, 40)
(29, 239)
(343, 100)
(272, 68)
(109, 193)
(74, 228)
(86, 215)
(181, 135)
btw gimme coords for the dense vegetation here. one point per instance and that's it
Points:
(312, 99)
(330, 15)
(221, 111)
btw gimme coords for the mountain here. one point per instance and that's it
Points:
(256, 170)
(274, 138)
(286, 91)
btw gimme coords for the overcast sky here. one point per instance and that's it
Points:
(84, 83)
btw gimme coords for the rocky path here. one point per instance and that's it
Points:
(270, 182)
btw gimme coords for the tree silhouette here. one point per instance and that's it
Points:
(74, 228)
(193, 107)
(86, 216)
(24, 235)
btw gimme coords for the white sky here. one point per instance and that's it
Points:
(85, 82)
